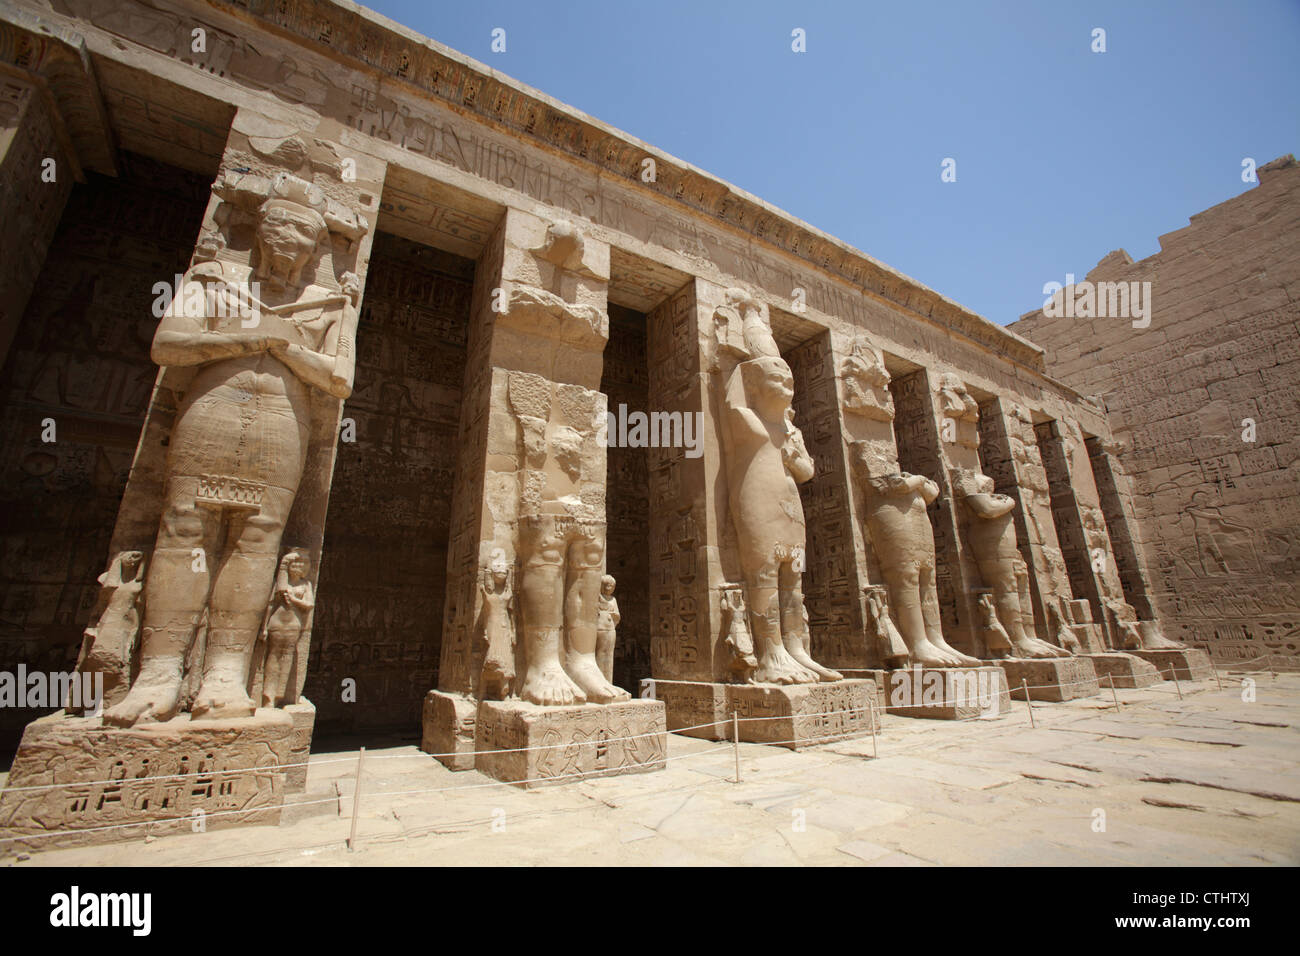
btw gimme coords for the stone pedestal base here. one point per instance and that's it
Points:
(447, 729)
(303, 715)
(878, 676)
(1184, 663)
(947, 693)
(1124, 669)
(173, 777)
(565, 744)
(794, 716)
(1054, 678)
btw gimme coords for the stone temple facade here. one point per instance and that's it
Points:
(352, 387)
(1204, 406)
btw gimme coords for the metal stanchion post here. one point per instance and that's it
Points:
(871, 702)
(1028, 703)
(1177, 685)
(735, 737)
(1111, 678)
(356, 800)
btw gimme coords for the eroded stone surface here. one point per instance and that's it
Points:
(1186, 664)
(165, 776)
(1125, 670)
(556, 745)
(795, 716)
(1056, 679)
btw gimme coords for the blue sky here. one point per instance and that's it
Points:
(1062, 154)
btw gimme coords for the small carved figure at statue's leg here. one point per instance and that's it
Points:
(176, 592)
(241, 590)
(606, 638)
(279, 655)
(794, 623)
(775, 665)
(541, 587)
(581, 600)
(497, 679)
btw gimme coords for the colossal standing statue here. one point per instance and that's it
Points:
(261, 338)
(900, 530)
(992, 535)
(766, 460)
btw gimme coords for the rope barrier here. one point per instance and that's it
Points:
(719, 750)
(942, 702)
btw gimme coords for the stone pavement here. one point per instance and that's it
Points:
(1207, 780)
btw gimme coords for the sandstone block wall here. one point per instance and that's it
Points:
(1218, 515)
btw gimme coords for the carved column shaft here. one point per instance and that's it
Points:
(838, 558)
(688, 496)
(538, 324)
(1121, 524)
(1080, 523)
(924, 449)
(1010, 455)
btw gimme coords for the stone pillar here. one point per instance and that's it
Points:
(714, 608)
(687, 500)
(204, 626)
(527, 550)
(925, 449)
(1010, 455)
(838, 560)
(1081, 527)
(1121, 525)
(37, 170)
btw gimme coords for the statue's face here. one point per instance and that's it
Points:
(131, 560)
(298, 566)
(607, 586)
(285, 242)
(776, 384)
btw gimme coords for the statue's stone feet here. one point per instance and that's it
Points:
(927, 654)
(585, 672)
(155, 696)
(964, 660)
(1153, 640)
(804, 659)
(776, 666)
(221, 699)
(549, 686)
(1034, 649)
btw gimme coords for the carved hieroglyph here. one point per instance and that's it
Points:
(765, 459)
(262, 325)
